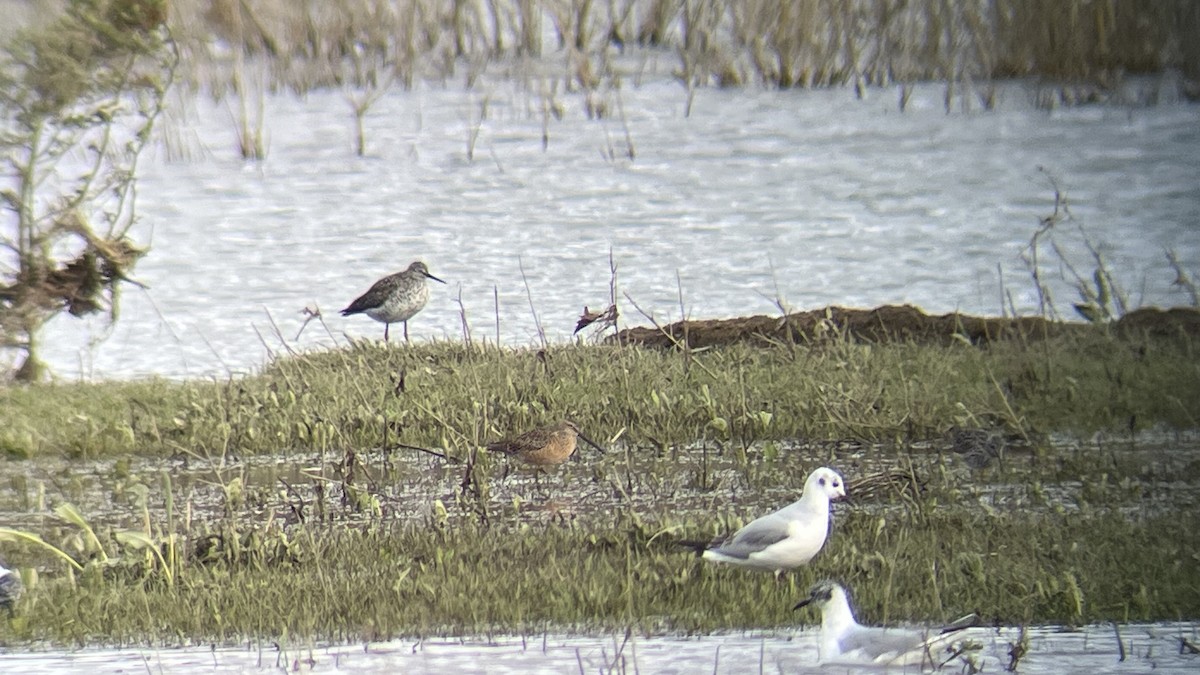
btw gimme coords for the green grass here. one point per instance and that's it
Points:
(323, 537)
(459, 397)
(419, 580)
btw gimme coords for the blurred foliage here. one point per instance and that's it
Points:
(80, 94)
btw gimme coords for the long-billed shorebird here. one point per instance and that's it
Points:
(787, 538)
(844, 640)
(396, 297)
(10, 589)
(544, 446)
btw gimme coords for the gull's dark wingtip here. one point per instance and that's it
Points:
(697, 547)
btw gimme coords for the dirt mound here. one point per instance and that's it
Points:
(899, 323)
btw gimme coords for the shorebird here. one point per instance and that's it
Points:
(782, 540)
(544, 446)
(844, 640)
(978, 446)
(10, 589)
(396, 297)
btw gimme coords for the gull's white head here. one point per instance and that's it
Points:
(824, 594)
(827, 482)
(836, 616)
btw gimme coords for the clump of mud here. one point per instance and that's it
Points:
(899, 323)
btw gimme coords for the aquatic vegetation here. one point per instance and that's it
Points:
(1090, 53)
(724, 44)
(346, 495)
(450, 573)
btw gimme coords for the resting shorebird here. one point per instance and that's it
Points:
(544, 446)
(396, 297)
(10, 589)
(844, 640)
(787, 538)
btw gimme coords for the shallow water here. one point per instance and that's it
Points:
(698, 480)
(1144, 475)
(811, 197)
(1094, 650)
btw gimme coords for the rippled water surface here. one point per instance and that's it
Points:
(1094, 650)
(812, 197)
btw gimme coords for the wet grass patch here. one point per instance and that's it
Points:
(930, 562)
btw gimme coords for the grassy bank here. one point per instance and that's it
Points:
(265, 507)
(457, 397)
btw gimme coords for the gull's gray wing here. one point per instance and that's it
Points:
(873, 642)
(971, 620)
(758, 535)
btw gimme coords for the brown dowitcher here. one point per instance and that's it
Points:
(544, 446)
(396, 297)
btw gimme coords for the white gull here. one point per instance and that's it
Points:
(785, 539)
(845, 641)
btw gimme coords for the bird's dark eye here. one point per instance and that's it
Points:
(821, 481)
(835, 483)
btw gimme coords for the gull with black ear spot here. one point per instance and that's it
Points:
(785, 539)
(845, 641)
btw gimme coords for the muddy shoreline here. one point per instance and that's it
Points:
(904, 323)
